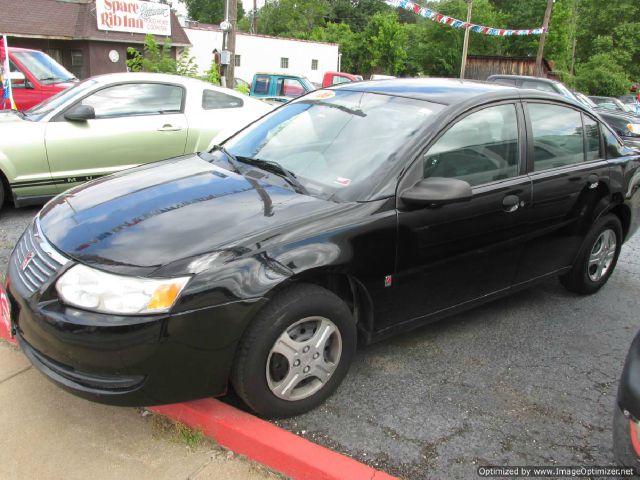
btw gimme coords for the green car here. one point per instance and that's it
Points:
(111, 122)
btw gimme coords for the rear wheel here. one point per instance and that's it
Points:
(295, 353)
(597, 258)
(1, 192)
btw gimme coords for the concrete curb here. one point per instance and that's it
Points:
(261, 441)
(268, 444)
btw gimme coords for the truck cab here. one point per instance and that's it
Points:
(35, 76)
(274, 85)
(335, 78)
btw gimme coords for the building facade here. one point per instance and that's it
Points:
(68, 31)
(262, 53)
(480, 67)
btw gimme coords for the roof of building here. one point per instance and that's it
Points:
(446, 91)
(69, 20)
(193, 25)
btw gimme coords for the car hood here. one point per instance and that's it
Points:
(10, 116)
(137, 221)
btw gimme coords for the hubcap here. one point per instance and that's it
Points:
(303, 358)
(602, 255)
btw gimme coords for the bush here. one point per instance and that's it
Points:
(601, 75)
(154, 59)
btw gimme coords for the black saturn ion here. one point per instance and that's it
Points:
(346, 215)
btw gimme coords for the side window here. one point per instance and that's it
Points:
(17, 83)
(557, 136)
(261, 85)
(336, 80)
(592, 136)
(542, 86)
(290, 87)
(213, 100)
(136, 99)
(506, 81)
(480, 148)
(612, 145)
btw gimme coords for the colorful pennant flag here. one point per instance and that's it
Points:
(455, 23)
(5, 80)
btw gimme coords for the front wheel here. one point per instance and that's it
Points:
(295, 353)
(597, 258)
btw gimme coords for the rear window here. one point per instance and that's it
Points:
(212, 100)
(261, 85)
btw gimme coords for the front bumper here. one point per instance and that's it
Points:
(126, 360)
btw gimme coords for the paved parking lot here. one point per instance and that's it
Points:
(528, 380)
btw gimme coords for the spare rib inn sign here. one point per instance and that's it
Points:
(134, 16)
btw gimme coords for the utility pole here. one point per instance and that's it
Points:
(465, 45)
(543, 36)
(231, 42)
(254, 18)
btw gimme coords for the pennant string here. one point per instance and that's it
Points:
(455, 23)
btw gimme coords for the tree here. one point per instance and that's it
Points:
(292, 18)
(386, 43)
(601, 75)
(209, 11)
(154, 58)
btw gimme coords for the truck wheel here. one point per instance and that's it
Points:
(597, 258)
(295, 353)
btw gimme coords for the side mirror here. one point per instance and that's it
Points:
(436, 191)
(81, 113)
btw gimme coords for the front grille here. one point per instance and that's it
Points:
(44, 261)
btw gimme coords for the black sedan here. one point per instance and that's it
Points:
(347, 215)
(626, 418)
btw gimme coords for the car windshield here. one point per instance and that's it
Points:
(564, 90)
(339, 144)
(43, 67)
(61, 98)
(585, 100)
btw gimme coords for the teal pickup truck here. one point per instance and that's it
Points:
(279, 88)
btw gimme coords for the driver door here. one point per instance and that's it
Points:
(455, 253)
(134, 123)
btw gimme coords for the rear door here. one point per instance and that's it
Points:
(135, 123)
(569, 175)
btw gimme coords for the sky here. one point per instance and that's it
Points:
(247, 4)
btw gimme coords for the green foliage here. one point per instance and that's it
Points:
(213, 74)
(209, 11)
(292, 18)
(386, 43)
(155, 58)
(186, 65)
(601, 75)
(242, 88)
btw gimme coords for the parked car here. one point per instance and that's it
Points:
(349, 214)
(626, 417)
(35, 76)
(335, 78)
(277, 85)
(110, 123)
(628, 99)
(613, 104)
(535, 83)
(378, 76)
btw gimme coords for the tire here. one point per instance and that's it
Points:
(274, 385)
(1, 193)
(622, 447)
(585, 277)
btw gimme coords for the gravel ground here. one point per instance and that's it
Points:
(527, 380)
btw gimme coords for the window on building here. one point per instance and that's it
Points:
(77, 62)
(557, 136)
(480, 148)
(314, 64)
(284, 62)
(54, 53)
(213, 100)
(136, 99)
(237, 60)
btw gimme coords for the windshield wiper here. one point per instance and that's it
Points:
(231, 158)
(275, 167)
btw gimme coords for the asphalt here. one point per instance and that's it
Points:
(527, 380)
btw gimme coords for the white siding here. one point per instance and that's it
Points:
(262, 54)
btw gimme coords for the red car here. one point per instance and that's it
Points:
(35, 76)
(334, 78)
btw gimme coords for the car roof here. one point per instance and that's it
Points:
(147, 77)
(446, 91)
(20, 49)
(525, 77)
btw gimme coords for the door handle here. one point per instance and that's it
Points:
(592, 181)
(511, 203)
(169, 128)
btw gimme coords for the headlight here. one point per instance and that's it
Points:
(634, 128)
(92, 289)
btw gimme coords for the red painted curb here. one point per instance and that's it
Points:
(268, 444)
(261, 441)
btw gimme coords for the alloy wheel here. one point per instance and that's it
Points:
(602, 255)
